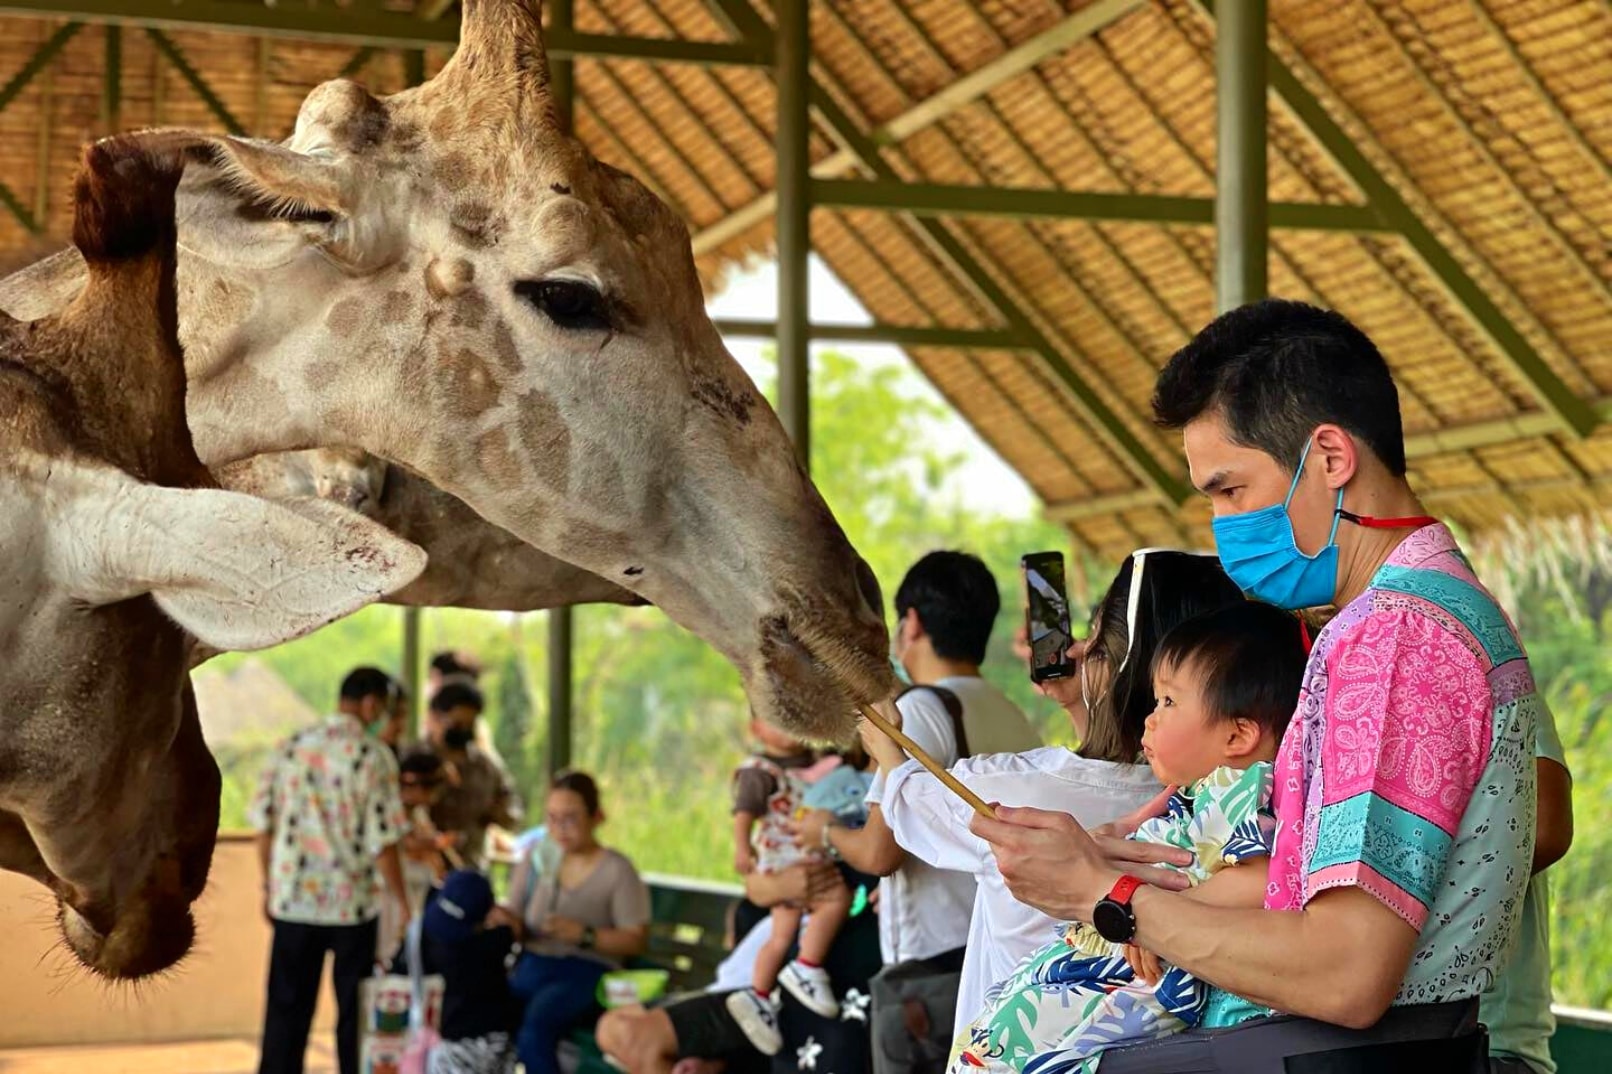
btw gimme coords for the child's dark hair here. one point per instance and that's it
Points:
(1251, 657)
(580, 784)
(425, 764)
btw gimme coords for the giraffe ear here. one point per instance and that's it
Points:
(235, 571)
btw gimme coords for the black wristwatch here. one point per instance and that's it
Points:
(588, 938)
(1112, 917)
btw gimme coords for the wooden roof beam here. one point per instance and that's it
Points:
(898, 335)
(926, 113)
(1574, 416)
(1165, 485)
(366, 22)
(940, 199)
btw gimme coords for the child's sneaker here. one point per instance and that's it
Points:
(810, 985)
(758, 1018)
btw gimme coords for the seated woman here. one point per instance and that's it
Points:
(702, 1028)
(1108, 702)
(577, 917)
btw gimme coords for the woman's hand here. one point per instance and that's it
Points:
(744, 861)
(799, 884)
(1065, 692)
(563, 929)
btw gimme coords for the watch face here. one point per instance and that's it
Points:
(1113, 922)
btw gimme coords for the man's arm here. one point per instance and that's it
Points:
(744, 855)
(1340, 960)
(390, 864)
(1554, 823)
(871, 849)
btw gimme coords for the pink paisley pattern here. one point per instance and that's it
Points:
(1405, 722)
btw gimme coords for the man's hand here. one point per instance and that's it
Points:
(880, 746)
(799, 885)
(1051, 863)
(744, 861)
(809, 827)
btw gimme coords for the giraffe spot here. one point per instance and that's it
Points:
(345, 317)
(445, 124)
(594, 540)
(475, 224)
(504, 348)
(449, 276)
(724, 400)
(323, 374)
(496, 459)
(546, 437)
(397, 307)
(470, 311)
(406, 136)
(454, 170)
(468, 385)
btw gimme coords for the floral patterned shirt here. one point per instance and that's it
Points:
(1408, 769)
(329, 797)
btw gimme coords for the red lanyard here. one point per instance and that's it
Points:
(1408, 523)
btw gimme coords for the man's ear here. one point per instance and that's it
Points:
(235, 571)
(1339, 454)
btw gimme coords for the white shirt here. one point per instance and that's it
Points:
(737, 970)
(931, 823)
(924, 911)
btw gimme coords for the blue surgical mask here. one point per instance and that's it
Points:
(901, 671)
(1259, 553)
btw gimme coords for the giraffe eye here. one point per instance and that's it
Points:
(570, 304)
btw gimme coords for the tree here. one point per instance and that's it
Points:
(512, 734)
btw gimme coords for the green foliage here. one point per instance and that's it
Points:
(512, 732)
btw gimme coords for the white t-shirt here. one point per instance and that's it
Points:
(931, 823)
(924, 911)
(738, 969)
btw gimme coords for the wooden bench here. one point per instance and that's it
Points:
(688, 926)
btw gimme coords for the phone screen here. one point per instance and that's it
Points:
(1047, 616)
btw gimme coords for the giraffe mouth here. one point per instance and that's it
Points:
(816, 678)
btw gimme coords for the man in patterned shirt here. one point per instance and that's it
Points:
(1405, 784)
(327, 813)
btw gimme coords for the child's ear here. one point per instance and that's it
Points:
(1243, 736)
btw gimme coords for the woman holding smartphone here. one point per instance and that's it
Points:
(1108, 695)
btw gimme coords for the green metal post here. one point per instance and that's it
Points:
(562, 83)
(562, 72)
(793, 44)
(1242, 232)
(411, 665)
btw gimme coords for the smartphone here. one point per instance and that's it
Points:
(1046, 616)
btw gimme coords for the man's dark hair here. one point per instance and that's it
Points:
(369, 682)
(1276, 369)
(1251, 658)
(454, 694)
(957, 601)
(449, 663)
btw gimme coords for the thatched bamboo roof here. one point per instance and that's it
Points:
(1488, 121)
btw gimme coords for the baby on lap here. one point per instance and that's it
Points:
(1225, 685)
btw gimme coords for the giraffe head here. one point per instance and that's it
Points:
(116, 556)
(445, 279)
